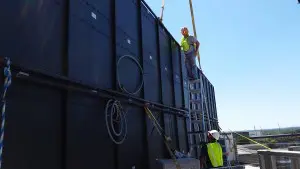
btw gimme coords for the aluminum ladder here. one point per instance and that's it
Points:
(198, 115)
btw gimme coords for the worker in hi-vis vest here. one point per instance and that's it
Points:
(190, 46)
(211, 153)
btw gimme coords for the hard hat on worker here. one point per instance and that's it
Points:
(214, 133)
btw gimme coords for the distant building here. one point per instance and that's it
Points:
(255, 133)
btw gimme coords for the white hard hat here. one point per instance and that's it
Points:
(215, 134)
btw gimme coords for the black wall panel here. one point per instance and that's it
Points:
(182, 134)
(165, 49)
(88, 142)
(167, 87)
(127, 29)
(186, 93)
(176, 58)
(127, 39)
(33, 128)
(129, 73)
(133, 151)
(156, 146)
(178, 87)
(33, 33)
(184, 82)
(166, 68)
(90, 52)
(170, 124)
(150, 57)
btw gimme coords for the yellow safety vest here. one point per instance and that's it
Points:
(215, 154)
(185, 44)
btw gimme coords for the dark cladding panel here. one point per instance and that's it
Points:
(150, 57)
(183, 67)
(151, 78)
(127, 17)
(149, 30)
(176, 57)
(127, 39)
(90, 53)
(170, 128)
(178, 91)
(88, 142)
(33, 129)
(130, 76)
(178, 87)
(167, 87)
(127, 36)
(133, 151)
(182, 134)
(33, 33)
(186, 93)
(214, 102)
(166, 67)
(156, 146)
(165, 49)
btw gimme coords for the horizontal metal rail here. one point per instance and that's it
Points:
(276, 136)
(268, 159)
(63, 82)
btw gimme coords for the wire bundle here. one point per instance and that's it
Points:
(116, 123)
(141, 71)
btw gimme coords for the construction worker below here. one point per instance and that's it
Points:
(190, 46)
(212, 154)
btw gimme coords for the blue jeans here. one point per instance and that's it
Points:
(191, 65)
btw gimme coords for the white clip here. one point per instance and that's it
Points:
(128, 41)
(150, 57)
(166, 69)
(94, 15)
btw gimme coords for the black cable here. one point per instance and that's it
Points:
(141, 71)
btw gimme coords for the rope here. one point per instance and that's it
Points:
(194, 28)
(162, 10)
(140, 68)
(7, 83)
(161, 132)
(251, 140)
(114, 114)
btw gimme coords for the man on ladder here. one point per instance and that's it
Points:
(211, 153)
(190, 46)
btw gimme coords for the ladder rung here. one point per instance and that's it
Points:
(196, 121)
(195, 101)
(195, 91)
(195, 81)
(195, 145)
(196, 111)
(195, 132)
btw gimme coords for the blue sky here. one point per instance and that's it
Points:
(250, 51)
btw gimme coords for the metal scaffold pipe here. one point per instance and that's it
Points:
(194, 28)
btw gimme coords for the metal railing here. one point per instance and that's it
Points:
(279, 159)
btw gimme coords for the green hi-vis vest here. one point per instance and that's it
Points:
(185, 44)
(215, 154)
